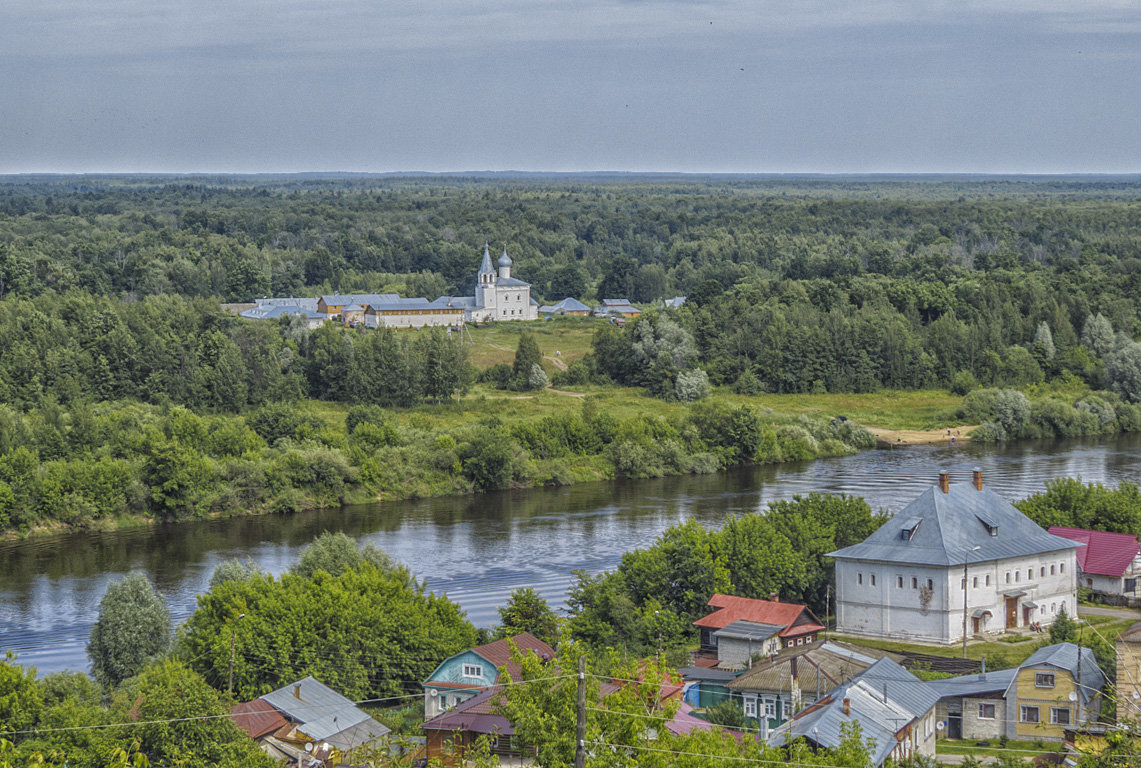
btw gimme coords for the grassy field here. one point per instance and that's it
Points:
(561, 339)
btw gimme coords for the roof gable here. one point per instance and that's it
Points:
(940, 528)
(1065, 657)
(1103, 553)
(793, 618)
(498, 654)
(322, 713)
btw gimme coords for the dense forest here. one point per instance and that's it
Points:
(126, 387)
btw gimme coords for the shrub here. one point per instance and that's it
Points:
(692, 385)
(963, 382)
(988, 432)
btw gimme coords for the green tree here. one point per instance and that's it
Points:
(527, 355)
(336, 552)
(235, 570)
(184, 722)
(366, 632)
(527, 611)
(134, 625)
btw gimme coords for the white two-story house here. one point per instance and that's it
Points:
(955, 546)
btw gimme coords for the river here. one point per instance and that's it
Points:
(478, 548)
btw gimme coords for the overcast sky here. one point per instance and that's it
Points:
(1002, 86)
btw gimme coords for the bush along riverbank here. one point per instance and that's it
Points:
(1007, 414)
(126, 462)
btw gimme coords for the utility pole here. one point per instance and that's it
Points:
(580, 710)
(827, 608)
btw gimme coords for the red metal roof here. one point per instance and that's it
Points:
(499, 653)
(1104, 553)
(731, 608)
(257, 718)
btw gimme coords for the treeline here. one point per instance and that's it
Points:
(75, 466)
(768, 336)
(76, 347)
(640, 238)
(1006, 414)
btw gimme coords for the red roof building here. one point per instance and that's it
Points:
(1108, 561)
(742, 627)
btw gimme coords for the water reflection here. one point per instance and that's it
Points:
(477, 549)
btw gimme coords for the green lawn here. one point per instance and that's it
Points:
(1018, 749)
(568, 336)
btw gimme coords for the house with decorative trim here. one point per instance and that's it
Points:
(1107, 562)
(957, 546)
(465, 675)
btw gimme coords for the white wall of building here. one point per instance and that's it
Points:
(925, 603)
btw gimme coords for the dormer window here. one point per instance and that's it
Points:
(910, 526)
(473, 670)
(990, 525)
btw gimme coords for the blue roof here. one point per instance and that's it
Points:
(272, 311)
(505, 260)
(508, 282)
(941, 528)
(974, 684)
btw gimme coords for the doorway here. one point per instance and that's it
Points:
(1011, 612)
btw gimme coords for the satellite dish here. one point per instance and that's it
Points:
(940, 725)
(1136, 695)
(1073, 696)
(308, 746)
(433, 693)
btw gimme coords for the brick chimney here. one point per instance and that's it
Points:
(944, 482)
(774, 597)
(978, 477)
(847, 706)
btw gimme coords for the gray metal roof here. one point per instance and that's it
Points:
(485, 267)
(510, 282)
(504, 260)
(973, 684)
(461, 302)
(950, 524)
(364, 299)
(882, 699)
(272, 311)
(300, 301)
(323, 714)
(401, 305)
(748, 630)
(1064, 656)
(710, 674)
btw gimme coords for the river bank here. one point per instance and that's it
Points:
(478, 548)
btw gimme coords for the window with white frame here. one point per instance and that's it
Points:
(859, 578)
(986, 711)
(914, 583)
(1043, 680)
(786, 708)
(770, 707)
(750, 706)
(899, 582)
(473, 670)
(1028, 714)
(1060, 715)
(873, 579)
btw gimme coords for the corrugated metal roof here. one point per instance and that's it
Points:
(748, 630)
(272, 311)
(485, 267)
(732, 608)
(973, 685)
(322, 713)
(510, 282)
(882, 699)
(951, 526)
(831, 664)
(1104, 553)
(364, 299)
(256, 718)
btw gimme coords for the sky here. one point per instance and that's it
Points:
(736, 86)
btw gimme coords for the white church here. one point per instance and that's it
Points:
(498, 295)
(959, 557)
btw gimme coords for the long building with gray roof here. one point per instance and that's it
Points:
(957, 545)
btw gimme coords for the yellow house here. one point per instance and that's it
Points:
(1055, 689)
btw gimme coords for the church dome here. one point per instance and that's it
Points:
(504, 260)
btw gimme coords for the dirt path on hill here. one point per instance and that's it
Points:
(565, 393)
(556, 362)
(921, 436)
